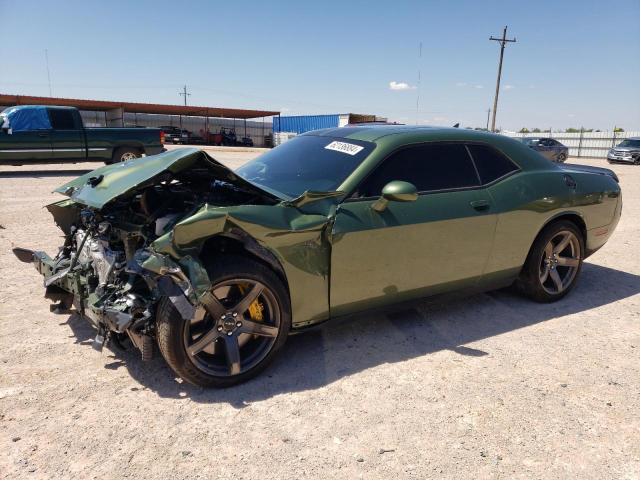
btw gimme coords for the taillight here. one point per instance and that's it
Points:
(161, 137)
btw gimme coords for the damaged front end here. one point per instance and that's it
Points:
(107, 268)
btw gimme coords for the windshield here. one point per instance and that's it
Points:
(306, 163)
(530, 141)
(630, 143)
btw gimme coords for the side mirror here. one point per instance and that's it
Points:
(396, 191)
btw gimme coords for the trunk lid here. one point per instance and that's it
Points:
(101, 186)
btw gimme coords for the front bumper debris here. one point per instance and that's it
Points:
(116, 309)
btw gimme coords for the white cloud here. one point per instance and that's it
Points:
(400, 86)
(479, 86)
(571, 115)
(509, 87)
(461, 84)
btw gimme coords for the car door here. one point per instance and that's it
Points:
(437, 243)
(547, 148)
(556, 147)
(25, 146)
(67, 135)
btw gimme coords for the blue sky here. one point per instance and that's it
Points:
(575, 62)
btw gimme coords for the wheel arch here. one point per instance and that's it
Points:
(571, 216)
(241, 243)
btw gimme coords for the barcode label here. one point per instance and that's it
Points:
(348, 148)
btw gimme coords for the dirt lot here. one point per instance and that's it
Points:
(490, 387)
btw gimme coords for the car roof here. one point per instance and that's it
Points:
(406, 133)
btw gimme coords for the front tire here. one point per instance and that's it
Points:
(236, 335)
(554, 262)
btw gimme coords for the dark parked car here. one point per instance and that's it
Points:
(628, 151)
(39, 134)
(171, 134)
(548, 147)
(217, 266)
(180, 136)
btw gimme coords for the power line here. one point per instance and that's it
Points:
(503, 42)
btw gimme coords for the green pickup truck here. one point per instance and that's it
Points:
(39, 134)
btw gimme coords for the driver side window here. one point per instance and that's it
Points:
(430, 167)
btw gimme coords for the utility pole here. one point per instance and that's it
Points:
(46, 59)
(185, 95)
(419, 79)
(503, 42)
(488, 113)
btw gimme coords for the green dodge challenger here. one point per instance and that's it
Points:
(218, 267)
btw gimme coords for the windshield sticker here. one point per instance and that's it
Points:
(348, 148)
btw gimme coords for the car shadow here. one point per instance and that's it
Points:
(340, 349)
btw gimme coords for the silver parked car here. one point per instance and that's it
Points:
(548, 147)
(627, 151)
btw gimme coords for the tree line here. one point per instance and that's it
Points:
(568, 130)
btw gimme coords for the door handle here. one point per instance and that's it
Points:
(480, 205)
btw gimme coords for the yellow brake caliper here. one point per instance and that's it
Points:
(255, 309)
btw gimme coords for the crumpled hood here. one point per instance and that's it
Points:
(99, 187)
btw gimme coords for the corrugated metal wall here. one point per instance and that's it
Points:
(304, 123)
(585, 144)
(257, 130)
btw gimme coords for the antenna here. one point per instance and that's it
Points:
(46, 59)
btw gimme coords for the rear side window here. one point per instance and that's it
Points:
(429, 167)
(62, 119)
(490, 163)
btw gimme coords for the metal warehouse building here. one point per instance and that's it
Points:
(306, 123)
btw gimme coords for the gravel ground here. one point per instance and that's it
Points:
(493, 386)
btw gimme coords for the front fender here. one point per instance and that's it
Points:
(297, 240)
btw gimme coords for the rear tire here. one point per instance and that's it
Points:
(227, 343)
(554, 262)
(124, 154)
(561, 158)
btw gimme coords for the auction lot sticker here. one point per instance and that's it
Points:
(348, 148)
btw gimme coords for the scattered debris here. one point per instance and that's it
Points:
(386, 450)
